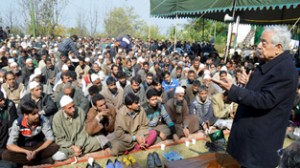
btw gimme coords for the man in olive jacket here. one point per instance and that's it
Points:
(265, 104)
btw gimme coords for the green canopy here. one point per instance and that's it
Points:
(260, 12)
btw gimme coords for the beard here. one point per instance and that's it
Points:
(51, 67)
(71, 68)
(30, 68)
(114, 74)
(136, 90)
(100, 87)
(123, 84)
(113, 91)
(16, 72)
(178, 109)
(159, 92)
(190, 81)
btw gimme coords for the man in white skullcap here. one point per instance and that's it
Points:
(178, 111)
(37, 77)
(27, 70)
(69, 130)
(64, 69)
(96, 81)
(223, 68)
(44, 102)
(212, 87)
(14, 67)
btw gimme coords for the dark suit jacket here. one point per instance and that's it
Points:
(45, 103)
(265, 105)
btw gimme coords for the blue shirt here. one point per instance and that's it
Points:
(172, 85)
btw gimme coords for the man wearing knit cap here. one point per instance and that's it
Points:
(44, 102)
(69, 130)
(178, 111)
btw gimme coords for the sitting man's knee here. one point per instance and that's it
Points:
(58, 156)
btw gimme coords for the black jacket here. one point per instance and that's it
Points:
(265, 105)
(7, 116)
(45, 103)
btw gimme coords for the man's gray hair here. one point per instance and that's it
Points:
(281, 35)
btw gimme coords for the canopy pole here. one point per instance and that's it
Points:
(203, 29)
(32, 18)
(237, 31)
(298, 40)
(149, 32)
(175, 35)
(230, 35)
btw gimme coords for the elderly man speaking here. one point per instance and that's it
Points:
(265, 103)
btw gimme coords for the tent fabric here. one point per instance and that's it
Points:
(250, 11)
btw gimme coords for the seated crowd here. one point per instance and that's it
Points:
(60, 106)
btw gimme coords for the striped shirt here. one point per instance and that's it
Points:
(68, 45)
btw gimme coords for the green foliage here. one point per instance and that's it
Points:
(17, 30)
(149, 32)
(122, 21)
(201, 30)
(204, 30)
(42, 16)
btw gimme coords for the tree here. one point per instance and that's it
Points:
(80, 28)
(44, 15)
(204, 30)
(93, 20)
(122, 21)
(201, 30)
(149, 32)
(10, 17)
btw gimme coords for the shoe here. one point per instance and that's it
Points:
(92, 163)
(150, 161)
(109, 164)
(125, 162)
(47, 161)
(118, 164)
(157, 160)
(134, 163)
